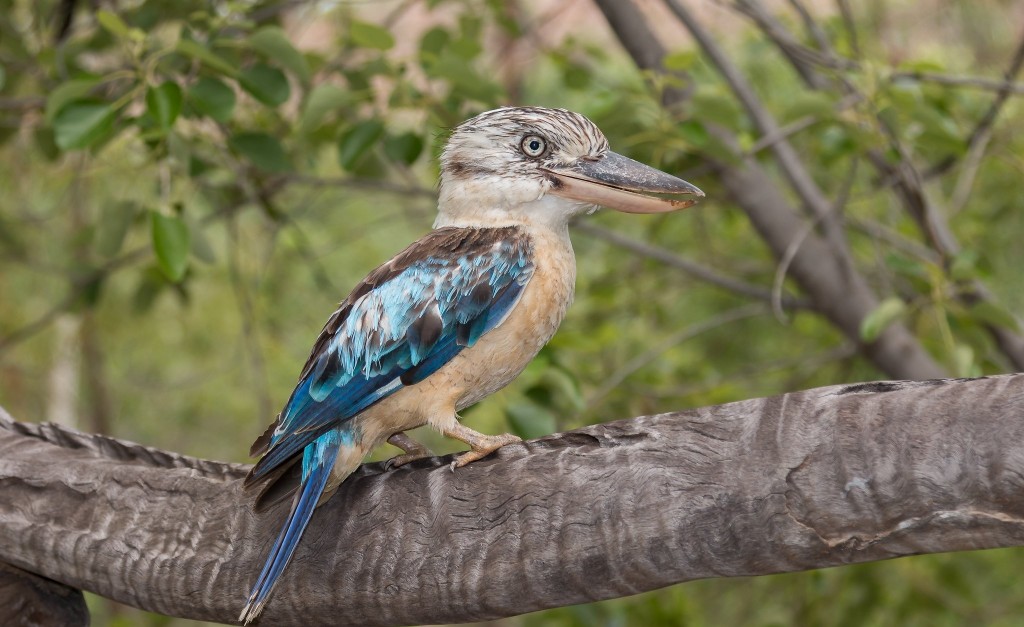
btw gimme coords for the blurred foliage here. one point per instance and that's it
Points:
(189, 187)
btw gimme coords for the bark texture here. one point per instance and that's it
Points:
(805, 480)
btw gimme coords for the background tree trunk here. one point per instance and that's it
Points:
(825, 477)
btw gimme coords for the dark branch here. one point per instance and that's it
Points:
(806, 480)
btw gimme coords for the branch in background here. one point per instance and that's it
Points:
(688, 266)
(652, 354)
(1005, 86)
(22, 105)
(639, 42)
(812, 27)
(836, 290)
(801, 58)
(361, 183)
(769, 485)
(983, 130)
(909, 182)
(850, 25)
(790, 163)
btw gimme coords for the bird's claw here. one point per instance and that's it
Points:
(413, 451)
(401, 460)
(483, 448)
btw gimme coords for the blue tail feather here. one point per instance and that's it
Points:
(318, 460)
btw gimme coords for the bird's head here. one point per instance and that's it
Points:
(537, 165)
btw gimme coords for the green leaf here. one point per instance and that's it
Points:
(529, 420)
(964, 266)
(357, 140)
(115, 219)
(203, 54)
(271, 42)
(267, 84)
(164, 103)
(66, 93)
(693, 132)
(44, 141)
(995, 315)
(963, 361)
(564, 387)
(152, 282)
(712, 104)
(887, 312)
(212, 97)
(369, 35)
(576, 76)
(434, 41)
(322, 100)
(112, 23)
(201, 248)
(82, 124)
(264, 151)
(467, 81)
(681, 60)
(404, 148)
(171, 244)
(906, 266)
(809, 103)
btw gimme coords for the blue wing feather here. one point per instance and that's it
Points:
(317, 461)
(402, 330)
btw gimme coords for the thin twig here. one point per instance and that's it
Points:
(22, 104)
(692, 268)
(980, 82)
(78, 287)
(968, 173)
(249, 332)
(358, 183)
(850, 24)
(792, 165)
(894, 239)
(985, 124)
(800, 124)
(680, 336)
(812, 26)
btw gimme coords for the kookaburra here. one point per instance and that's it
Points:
(455, 316)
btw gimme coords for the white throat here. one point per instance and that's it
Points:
(496, 201)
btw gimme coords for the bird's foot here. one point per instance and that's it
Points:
(413, 451)
(483, 445)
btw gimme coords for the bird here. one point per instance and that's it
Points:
(455, 316)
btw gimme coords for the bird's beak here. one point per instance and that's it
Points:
(621, 183)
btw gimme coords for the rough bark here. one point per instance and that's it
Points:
(806, 480)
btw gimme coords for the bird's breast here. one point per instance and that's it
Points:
(500, 355)
(497, 357)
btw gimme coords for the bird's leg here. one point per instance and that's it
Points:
(413, 450)
(482, 445)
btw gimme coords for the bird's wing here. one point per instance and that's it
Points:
(406, 320)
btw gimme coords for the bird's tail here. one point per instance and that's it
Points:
(317, 461)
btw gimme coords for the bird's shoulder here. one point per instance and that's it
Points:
(444, 254)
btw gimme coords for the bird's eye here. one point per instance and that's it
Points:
(533, 146)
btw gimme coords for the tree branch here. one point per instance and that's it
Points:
(821, 266)
(825, 477)
(688, 266)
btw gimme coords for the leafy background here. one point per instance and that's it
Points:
(187, 189)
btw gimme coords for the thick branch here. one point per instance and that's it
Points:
(811, 479)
